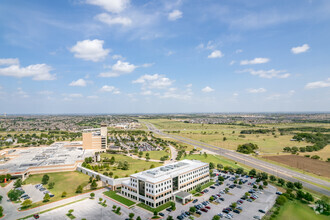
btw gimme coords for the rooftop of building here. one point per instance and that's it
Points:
(168, 171)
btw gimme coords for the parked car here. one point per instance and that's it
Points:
(208, 207)
(204, 210)
(256, 217)
(212, 187)
(262, 211)
(278, 193)
(169, 209)
(195, 200)
(36, 216)
(237, 211)
(198, 212)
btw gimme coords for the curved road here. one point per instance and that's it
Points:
(253, 162)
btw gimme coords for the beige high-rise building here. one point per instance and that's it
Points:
(95, 138)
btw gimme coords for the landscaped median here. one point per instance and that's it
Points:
(158, 209)
(113, 195)
(204, 186)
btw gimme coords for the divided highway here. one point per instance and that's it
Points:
(270, 168)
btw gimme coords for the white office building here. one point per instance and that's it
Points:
(159, 185)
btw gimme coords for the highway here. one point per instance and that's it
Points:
(270, 168)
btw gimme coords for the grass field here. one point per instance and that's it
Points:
(214, 159)
(156, 155)
(64, 181)
(204, 186)
(135, 165)
(215, 133)
(295, 210)
(158, 209)
(115, 196)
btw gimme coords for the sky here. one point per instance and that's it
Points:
(164, 56)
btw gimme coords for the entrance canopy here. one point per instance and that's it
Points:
(183, 196)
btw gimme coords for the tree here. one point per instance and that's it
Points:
(94, 184)
(18, 183)
(70, 211)
(252, 172)
(26, 203)
(64, 194)
(216, 217)
(168, 218)
(323, 206)
(300, 194)
(211, 166)
(1, 198)
(155, 213)
(118, 210)
(198, 188)
(79, 189)
(220, 178)
(98, 178)
(138, 218)
(272, 178)
(281, 181)
(281, 200)
(261, 187)
(289, 185)
(233, 205)
(247, 148)
(1, 211)
(298, 185)
(254, 187)
(51, 185)
(308, 197)
(173, 206)
(46, 197)
(45, 179)
(265, 183)
(140, 154)
(114, 207)
(131, 215)
(14, 194)
(239, 170)
(219, 166)
(90, 179)
(92, 195)
(100, 200)
(192, 209)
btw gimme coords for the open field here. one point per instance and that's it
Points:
(64, 182)
(215, 133)
(324, 153)
(156, 155)
(295, 210)
(310, 165)
(134, 165)
(119, 198)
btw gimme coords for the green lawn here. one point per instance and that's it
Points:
(204, 186)
(296, 210)
(115, 196)
(64, 181)
(135, 165)
(158, 209)
(214, 134)
(214, 159)
(156, 155)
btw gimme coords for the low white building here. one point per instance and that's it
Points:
(159, 185)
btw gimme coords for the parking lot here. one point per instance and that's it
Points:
(34, 194)
(266, 199)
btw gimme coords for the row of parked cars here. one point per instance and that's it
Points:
(43, 189)
(23, 195)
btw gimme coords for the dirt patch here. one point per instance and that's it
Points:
(317, 167)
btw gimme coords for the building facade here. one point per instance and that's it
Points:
(157, 186)
(95, 138)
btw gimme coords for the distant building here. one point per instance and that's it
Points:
(95, 138)
(157, 186)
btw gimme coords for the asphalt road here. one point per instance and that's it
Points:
(270, 168)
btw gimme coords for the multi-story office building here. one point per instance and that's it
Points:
(159, 185)
(95, 138)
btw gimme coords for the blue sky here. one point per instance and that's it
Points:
(122, 56)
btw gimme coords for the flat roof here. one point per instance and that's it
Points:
(182, 194)
(162, 173)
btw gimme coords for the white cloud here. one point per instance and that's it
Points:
(300, 49)
(239, 51)
(260, 90)
(111, 20)
(318, 84)
(9, 61)
(114, 6)
(120, 68)
(92, 97)
(22, 93)
(215, 54)
(258, 60)
(75, 95)
(207, 89)
(90, 50)
(268, 74)
(146, 92)
(235, 94)
(117, 57)
(278, 96)
(155, 81)
(232, 62)
(111, 89)
(79, 82)
(36, 71)
(174, 15)
(45, 92)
